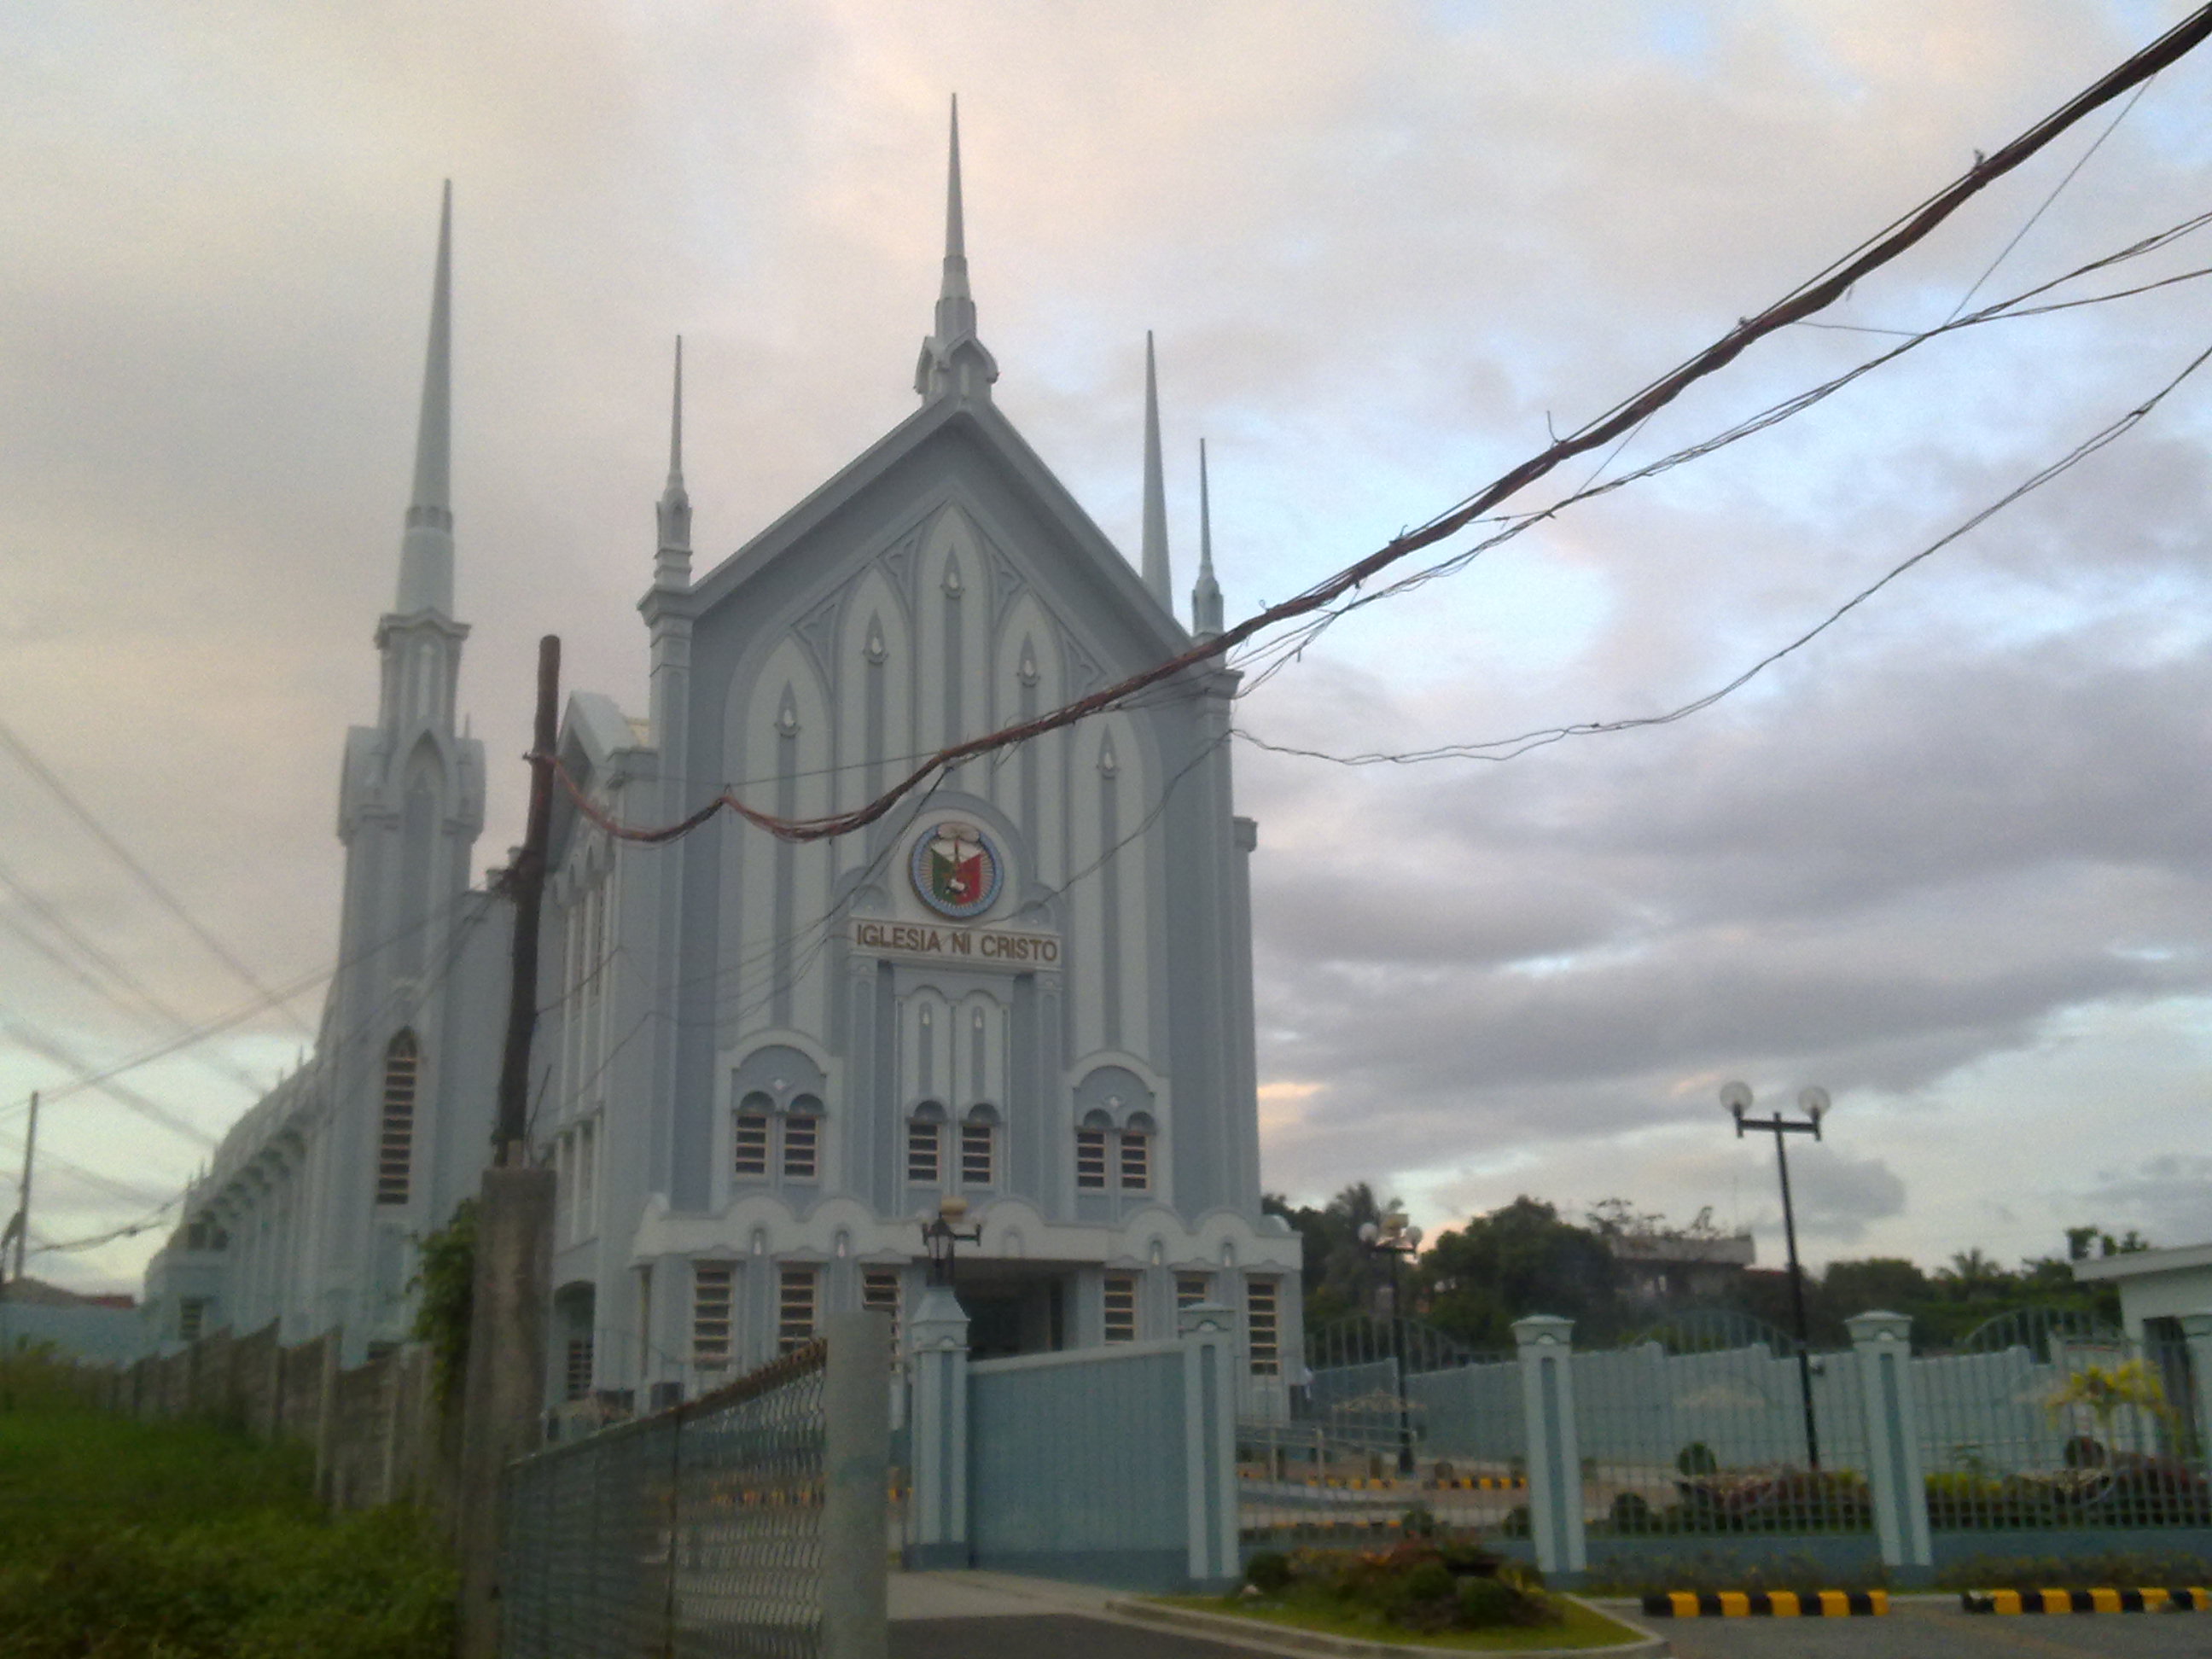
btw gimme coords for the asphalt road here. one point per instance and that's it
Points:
(1048, 1636)
(1938, 1630)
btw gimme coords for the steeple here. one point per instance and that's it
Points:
(953, 360)
(1206, 594)
(1154, 565)
(426, 554)
(673, 565)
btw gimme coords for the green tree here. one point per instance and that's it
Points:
(1523, 1258)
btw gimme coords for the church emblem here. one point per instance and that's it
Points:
(956, 870)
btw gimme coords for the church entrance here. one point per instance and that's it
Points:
(1012, 1308)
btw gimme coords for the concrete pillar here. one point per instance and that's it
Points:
(504, 1392)
(1883, 1344)
(1554, 1450)
(856, 1507)
(2196, 1331)
(326, 1416)
(1207, 1332)
(936, 1363)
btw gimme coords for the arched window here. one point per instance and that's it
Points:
(1136, 1161)
(1091, 1152)
(924, 1146)
(395, 1151)
(750, 1135)
(802, 1139)
(979, 1148)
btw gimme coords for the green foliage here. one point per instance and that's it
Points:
(1425, 1584)
(1269, 1571)
(446, 1276)
(130, 1540)
(1696, 1458)
(1523, 1258)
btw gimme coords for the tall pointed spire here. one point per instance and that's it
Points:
(952, 359)
(673, 565)
(1154, 564)
(1206, 594)
(426, 555)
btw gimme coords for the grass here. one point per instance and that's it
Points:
(161, 1540)
(1585, 1627)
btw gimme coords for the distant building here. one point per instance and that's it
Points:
(99, 1329)
(2156, 1287)
(1680, 1267)
(759, 1061)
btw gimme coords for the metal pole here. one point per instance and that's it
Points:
(1797, 1301)
(1398, 1356)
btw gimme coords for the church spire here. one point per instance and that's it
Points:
(953, 360)
(1206, 594)
(673, 565)
(426, 554)
(1155, 561)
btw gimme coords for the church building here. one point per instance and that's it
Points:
(761, 1064)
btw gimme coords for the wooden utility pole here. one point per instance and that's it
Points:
(526, 881)
(504, 1388)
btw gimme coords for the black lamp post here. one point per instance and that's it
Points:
(940, 1236)
(1736, 1098)
(1396, 1239)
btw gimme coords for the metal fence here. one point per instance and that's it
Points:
(2056, 1422)
(697, 1531)
(1715, 1425)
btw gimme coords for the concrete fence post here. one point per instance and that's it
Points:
(1883, 1344)
(1207, 1331)
(1553, 1449)
(856, 1508)
(937, 1509)
(2196, 1330)
(503, 1393)
(326, 1417)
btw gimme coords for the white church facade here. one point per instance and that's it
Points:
(761, 1063)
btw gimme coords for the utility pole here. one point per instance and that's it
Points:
(18, 1231)
(504, 1386)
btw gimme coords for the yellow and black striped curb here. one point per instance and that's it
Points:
(2189, 1600)
(1768, 1604)
(1381, 1483)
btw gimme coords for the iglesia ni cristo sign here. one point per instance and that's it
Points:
(945, 944)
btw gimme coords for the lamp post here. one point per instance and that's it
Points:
(940, 1236)
(1396, 1239)
(1736, 1098)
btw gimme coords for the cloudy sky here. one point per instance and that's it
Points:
(1950, 860)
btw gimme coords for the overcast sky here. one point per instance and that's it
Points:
(1949, 860)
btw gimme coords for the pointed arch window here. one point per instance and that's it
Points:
(924, 1146)
(395, 1150)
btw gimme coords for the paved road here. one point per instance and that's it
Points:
(1938, 1630)
(981, 1615)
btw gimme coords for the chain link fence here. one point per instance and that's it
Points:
(697, 1531)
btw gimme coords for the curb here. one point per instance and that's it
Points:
(2149, 1600)
(1769, 1604)
(1288, 1639)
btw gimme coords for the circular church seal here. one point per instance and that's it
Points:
(956, 870)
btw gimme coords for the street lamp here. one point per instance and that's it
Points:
(1394, 1239)
(1813, 1103)
(940, 1234)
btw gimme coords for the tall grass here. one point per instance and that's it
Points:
(162, 1541)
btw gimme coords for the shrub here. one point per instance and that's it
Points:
(1695, 1459)
(1269, 1572)
(1632, 1513)
(2121, 1569)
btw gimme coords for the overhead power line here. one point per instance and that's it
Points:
(1504, 749)
(1806, 299)
(168, 901)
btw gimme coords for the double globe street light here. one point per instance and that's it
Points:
(1394, 1238)
(1736, 1098)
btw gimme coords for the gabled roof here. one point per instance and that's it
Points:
(980, 421)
